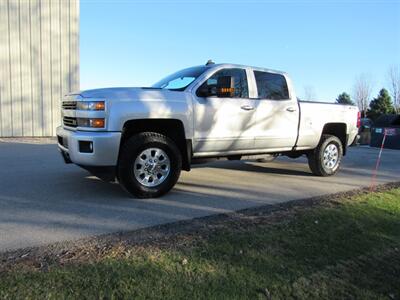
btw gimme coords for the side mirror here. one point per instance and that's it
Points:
(225, 87)
(204, 91)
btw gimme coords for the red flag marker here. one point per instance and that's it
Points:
(378, 161)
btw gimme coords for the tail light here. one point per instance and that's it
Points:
(359, 119)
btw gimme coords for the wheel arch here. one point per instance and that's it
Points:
(172, 128)
(339, 130)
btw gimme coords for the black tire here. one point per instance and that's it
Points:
(316, 156)
(132, 148)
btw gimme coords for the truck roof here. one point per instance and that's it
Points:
(227, 65)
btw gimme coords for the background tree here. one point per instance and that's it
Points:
(362, 92)
(344, 98)
(394, 84)
(380, 105)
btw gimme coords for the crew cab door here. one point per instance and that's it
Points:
(277, 109)
(222, 124)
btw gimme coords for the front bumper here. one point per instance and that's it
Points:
(105, 147)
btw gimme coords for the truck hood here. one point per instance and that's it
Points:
(133, 93)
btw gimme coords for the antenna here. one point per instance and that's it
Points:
(210, 62)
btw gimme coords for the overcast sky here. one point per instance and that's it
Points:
(322, 44)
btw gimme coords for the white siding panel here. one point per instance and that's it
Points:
(36, 66)
(46, 67)
(65, 41)
(74, 44)
(39, 62)
(55, 65)
(15, 64)
(5, 82)
(26, 89)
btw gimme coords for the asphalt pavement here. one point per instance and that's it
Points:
(43, 200)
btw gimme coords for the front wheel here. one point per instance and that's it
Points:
(149, 165)
(326, 158)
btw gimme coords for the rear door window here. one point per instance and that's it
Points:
(271, 86)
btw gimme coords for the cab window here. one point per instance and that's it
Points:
(271, 86)
(239, 78)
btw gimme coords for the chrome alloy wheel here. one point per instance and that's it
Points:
(152, 167)
(331, 156)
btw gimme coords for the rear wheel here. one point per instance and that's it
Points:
(149, 165)
(326, 158)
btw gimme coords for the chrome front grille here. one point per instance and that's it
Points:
(70, 122)
(69, 105)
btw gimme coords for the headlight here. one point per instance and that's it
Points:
(92, 123)
(90, 105)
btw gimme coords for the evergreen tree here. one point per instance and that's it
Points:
(380, 105)
(344, 98)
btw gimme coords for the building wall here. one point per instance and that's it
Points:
(39, 63)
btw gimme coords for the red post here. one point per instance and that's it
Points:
(378, 161)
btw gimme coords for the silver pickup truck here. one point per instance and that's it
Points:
(146, 136)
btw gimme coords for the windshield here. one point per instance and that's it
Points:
(181, 79)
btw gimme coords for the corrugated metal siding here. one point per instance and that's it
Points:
(39, 63)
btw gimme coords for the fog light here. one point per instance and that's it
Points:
(85, 147)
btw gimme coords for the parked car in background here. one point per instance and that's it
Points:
(148, 135)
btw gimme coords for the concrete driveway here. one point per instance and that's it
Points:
(42, 200)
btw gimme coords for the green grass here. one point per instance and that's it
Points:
(346, 250)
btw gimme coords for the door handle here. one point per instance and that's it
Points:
(291, 109)
(247, 107)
